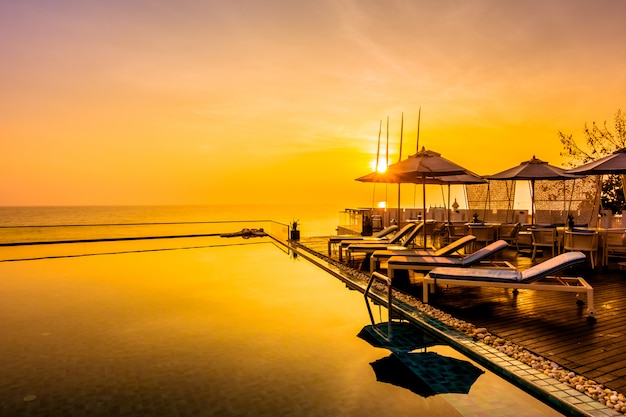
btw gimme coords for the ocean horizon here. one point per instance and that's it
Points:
(46, 223)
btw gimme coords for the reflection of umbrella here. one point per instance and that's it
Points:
(532, 170)
(406, 337)
(427, 373)
(426, 165)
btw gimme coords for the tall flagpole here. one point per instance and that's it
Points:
(419, 116)
(400, 159)
(387, 161)
(380, 127)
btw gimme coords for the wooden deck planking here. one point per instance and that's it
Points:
(547, 323)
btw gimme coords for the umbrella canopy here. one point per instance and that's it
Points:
(426, 166)
(611, 164)
(408, 178)
(427, 373)
(532, 170)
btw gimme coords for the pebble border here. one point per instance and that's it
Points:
(583, 395)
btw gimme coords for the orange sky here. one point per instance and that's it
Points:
(195, 102)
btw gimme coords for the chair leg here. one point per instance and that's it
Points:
(532, 257)
(591, 257)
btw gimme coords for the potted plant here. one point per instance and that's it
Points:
(570, 221)
(367, 228)
(294, 233)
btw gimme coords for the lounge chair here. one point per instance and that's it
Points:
(427, 263)
(382, 234)
(369, 247)
(537, 277)
(395, 240)
(447, 250)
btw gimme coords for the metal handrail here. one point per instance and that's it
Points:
(385, 279)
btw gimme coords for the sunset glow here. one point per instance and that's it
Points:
(149, 102)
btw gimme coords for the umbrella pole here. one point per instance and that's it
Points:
(399, 216)
(424, 201)
(532, 201)
(448, 210)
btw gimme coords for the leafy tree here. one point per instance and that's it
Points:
(600, 141)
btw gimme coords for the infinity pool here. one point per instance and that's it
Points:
(202, 327)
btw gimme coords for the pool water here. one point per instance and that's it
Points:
(203, 327)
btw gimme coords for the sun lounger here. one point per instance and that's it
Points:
(537, 277)
(369, 247)
(394, 240)
(382, 234)
(447, 250)
(427, 263)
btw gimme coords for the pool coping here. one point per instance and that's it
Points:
(559, 395)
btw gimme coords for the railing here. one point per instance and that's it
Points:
(72, 233)
(385, 279)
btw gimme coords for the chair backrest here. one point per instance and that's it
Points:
(484, 253)
(616, 238)
(455, 230)
(483, 233)
(543, 235)
(430, 225)
(580, 241)
(387, 230)
(402, 233)
(455, 246)
(552, 265)
(510, 230)
(410, 237)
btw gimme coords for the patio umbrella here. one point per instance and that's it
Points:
(426, 166)
(388, 177)
(427, 373)
(614, 163)
(532, 170)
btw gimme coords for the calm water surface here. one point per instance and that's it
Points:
(234, 330)
(201, 327)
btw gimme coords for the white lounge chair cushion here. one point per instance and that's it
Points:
(468, 260)
(531, 274)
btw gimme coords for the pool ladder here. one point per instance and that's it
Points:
(377, 276)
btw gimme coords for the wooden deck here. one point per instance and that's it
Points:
(547, 323)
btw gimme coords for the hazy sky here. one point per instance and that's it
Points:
(193, 102)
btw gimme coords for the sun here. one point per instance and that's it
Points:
(382, 165)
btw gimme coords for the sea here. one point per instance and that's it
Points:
(204, 326)
(59, 223)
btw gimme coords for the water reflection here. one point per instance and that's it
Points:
(427, 373)
(410, 365)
